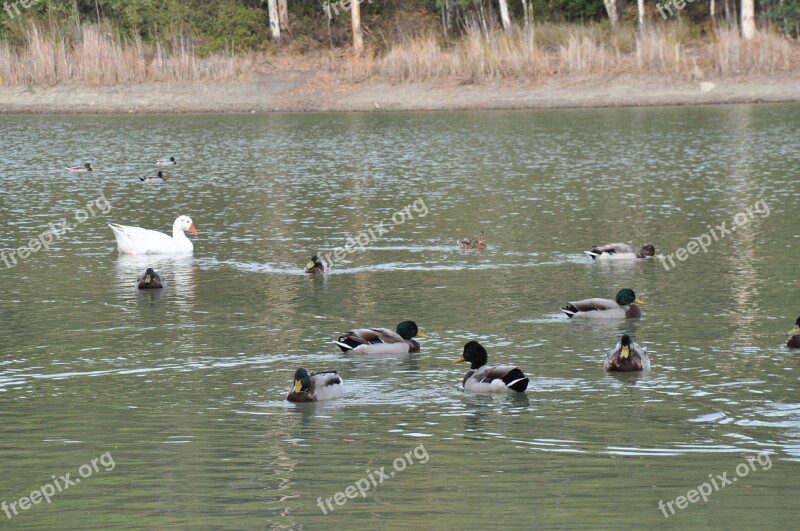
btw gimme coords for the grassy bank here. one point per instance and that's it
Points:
(93, 55)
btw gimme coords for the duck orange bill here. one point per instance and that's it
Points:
(795, 330)
(460, 360)
(310, 266)
(638, 301)
(298, 384)
(192, 229)
(423, 335)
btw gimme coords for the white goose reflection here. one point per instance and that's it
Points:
(179, 271)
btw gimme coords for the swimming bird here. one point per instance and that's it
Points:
(151, 280)
(794, 341)
(627, 356)
(382, 340)
(480, 243)
(157, 178)
(134, 240)
(484, 378)
(81, 168)
(165, 161)
(617, 251)
(623, 307)
(317, 265)
(315, 386)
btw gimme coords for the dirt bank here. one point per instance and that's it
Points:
(296, 90)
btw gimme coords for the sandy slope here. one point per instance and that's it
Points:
(284, 90)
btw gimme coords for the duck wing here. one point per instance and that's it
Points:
(325, 385)
(590, 305)
(511, 377)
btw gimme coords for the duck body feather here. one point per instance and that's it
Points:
(376, 341)
(597, 308)
(636, 358)
(321, 386)
(495, 379)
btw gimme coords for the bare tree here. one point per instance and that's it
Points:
(274, 24)
(283, 14)
(640, 12)
(612, 8)
(504, 16)
(748, 19)
(358, 34)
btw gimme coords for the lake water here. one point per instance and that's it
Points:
(185, 390)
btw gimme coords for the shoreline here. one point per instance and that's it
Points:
(310, 91)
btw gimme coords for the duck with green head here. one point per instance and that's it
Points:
(81, 168)
(315, 386)
(627, 356)
(317, 265)
(483, 378)
(622, 307)
(151, 280)
(620, 251)
(382, 340)
(794, 340)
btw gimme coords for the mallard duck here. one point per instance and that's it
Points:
(382, 340)
(317, 265)
(627, 356)
(151, 280)
(619, 251)
(480, 243)
(484, 378)
(794, 341)
(135, 240)
(81, 168)
(315, 386)
(165, 162)
(624, 307)
(157, 178)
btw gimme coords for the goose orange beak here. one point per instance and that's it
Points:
(192, 229)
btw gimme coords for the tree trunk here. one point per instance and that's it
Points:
(358, 35)
(748, 19)
(504, 16)
(274, 24)
(712, 9)
(640, 11)
(283, 14)
(613, 12)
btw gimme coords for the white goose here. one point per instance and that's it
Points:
(134, 240)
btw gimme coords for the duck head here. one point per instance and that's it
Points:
(626, 297)
(626, 346)
(302, 381)
(149, 275)
(647, 250)
(796, 329)
(475, 354)
(314, 263)
(408, 329)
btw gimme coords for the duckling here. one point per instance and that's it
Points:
(317, 265)
(81, 168)
(157, 178)
(627, 356)
(315, 386)
(382, 340)
(623, 307)
(480, 243)
(165, 162)
(484, 378)
(617, 251)
(151, 280)
(794, 341)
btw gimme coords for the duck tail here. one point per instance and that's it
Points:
(516, 380)
(593, 253)
(569, 309)
(346, 344)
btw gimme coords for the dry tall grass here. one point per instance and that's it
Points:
(530, 54)
(96, 57)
